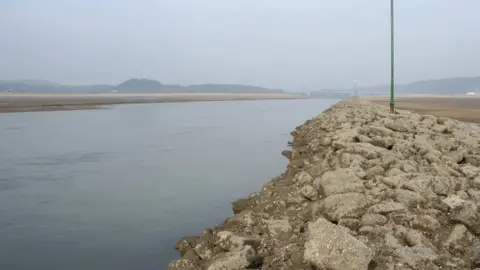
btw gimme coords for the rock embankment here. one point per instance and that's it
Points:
(364, 189)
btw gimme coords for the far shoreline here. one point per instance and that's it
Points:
(459, 107)
(29, 102)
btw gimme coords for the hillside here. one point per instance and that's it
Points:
(26, 85)
(152, 86)
(443, 86)
(230, 88)
(139, 85)
(447, 86)
(129, 86)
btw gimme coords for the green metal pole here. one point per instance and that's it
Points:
(392, 60)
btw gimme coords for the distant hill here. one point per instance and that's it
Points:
(26, 85)
(229, 88)
(439, 86)
(139, 85)
(149, 86)
(448, 86)
(129, 86)
(31, 82)
(442, 86)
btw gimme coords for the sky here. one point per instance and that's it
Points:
(293, 45)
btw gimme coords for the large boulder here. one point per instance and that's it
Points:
(338, 182)
(465, 212)
(238, 259)
(340, 206)
(330, 247)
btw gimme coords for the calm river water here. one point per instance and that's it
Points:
(115, 188)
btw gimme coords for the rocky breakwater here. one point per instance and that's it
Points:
(364, 189)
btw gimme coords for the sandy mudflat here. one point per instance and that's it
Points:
(464, 108)
(23, 102)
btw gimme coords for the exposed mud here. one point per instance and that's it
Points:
(364, 189)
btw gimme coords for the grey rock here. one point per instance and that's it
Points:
(182, 264)
(399, 231)
(295, 198)
(287, 154)
(397, 126)
(280, 229)
(432, 157)
(375, 171)
(462, 195)
(339, 181)
(246, 219)
(419, 183)
(394, 172)
(417, 238)
(329, 247)
(203, 251)
(309, 192)
(474, 194)
(366, 150)
(442, 185)
(426, 222)
(396, 181)
(415, 257)
(234, 260)
(302, 178)
(228, 240)
(458, 232)
(468, 214)
(470, 171)
(439, 128)
(453, 201)
(388, 160)
(409, 198)
(387, 207)
(351, 223)
(465, 212)
(184, 245)
(326, 141)
(351, 232)
(371, 219)
(409, 166)
(349, 205)
(476, 182)
(366, 229)
(392, 242)
(377, 130)
(384, 142)
(240, 205)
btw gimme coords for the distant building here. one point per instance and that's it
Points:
(470, 93)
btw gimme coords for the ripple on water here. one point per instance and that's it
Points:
(64, 159)
(9, 183)
(14, 128)
(187, 130)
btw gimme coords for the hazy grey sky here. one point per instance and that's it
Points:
(290, 44)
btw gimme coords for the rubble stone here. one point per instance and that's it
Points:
(364, 189)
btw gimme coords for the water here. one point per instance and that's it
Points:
(115, 188)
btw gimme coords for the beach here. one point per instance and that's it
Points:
(463, 108)
(25, 102)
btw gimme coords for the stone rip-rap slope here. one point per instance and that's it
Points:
(364, 189)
